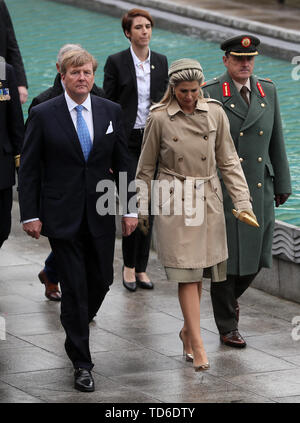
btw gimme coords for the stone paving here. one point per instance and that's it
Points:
(135, 344)
(134, 339)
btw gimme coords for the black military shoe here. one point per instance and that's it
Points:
(84, 381)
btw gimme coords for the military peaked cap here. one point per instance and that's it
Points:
(242, 45)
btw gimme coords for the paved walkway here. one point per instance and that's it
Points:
(135, 344)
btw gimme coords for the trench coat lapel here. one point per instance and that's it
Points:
(258, 106)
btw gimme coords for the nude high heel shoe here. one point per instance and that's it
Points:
(188, 357)
(202, 367)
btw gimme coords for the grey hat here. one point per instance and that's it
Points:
(183, 64)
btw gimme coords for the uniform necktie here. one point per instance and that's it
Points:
(83, 133)
(244, 91)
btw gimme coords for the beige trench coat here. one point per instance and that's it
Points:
(189, 149)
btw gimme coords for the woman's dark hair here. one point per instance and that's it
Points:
(131, 14)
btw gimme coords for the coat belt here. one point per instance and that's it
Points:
(194, 216)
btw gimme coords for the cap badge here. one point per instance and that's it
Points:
(226, 90)
(246, 42)
(260, 89)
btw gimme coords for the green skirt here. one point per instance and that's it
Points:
(216, 273)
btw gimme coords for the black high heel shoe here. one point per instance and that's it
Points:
(188, 357)
(131, 286)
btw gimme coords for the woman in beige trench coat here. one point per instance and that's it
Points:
(189, 138)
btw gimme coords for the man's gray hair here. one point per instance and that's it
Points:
(64, 49)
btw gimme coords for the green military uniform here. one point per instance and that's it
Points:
(255, 126)
(257, 133)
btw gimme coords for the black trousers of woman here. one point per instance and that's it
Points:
(136, 246)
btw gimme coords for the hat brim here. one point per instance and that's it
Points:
(234, 53)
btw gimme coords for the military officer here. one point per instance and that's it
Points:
(252, 108)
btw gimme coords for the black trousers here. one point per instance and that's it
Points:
(5, 213)
(224, 297)
(136, 246)
(85, 266)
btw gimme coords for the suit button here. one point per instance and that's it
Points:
(259, 185)
(203, 158)
(172, 118)
(241, 134)
(259, 159)
(180, 159)
(205, 137)
(232, 105)
(175, 139)
(241, 159)
(261, 132)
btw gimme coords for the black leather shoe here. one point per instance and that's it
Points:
(233, 339)
(84, 381)
(144, 285)
(131, 286)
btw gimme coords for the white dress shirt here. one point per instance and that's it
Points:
(87, 113)
(142, 71)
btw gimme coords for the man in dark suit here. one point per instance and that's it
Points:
(9, 49)
(11, 138)
(135, 78)
(49, 275)
(71, 143)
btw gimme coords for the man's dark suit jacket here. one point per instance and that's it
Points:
(11, 129)
(9, 47)
(56, 184)
(56, 90)
(120, 83)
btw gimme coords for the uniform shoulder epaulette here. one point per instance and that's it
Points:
(265, 79)
(210, 82)
(213, 100)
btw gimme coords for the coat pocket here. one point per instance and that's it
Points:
(270, 169)
(216, 188)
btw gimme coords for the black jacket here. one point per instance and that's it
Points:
(120, 83)
(9, 47)
(56, 184)
(11, 128)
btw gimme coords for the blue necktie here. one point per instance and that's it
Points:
(83, 133)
